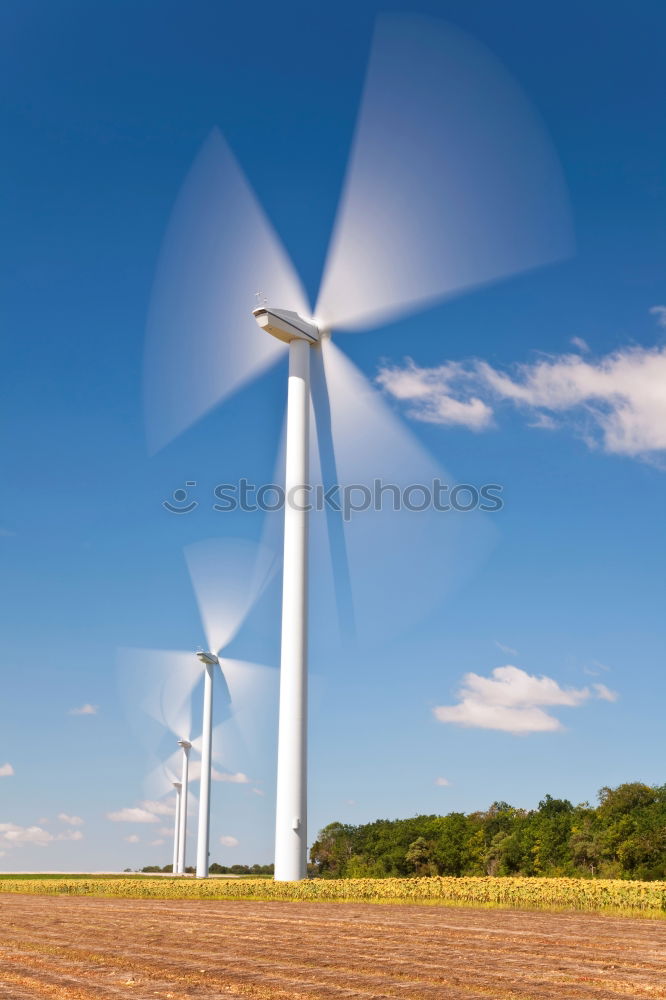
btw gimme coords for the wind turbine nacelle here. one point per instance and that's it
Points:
(286, 325)
(207, 658)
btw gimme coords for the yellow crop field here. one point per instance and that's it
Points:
(617, 895)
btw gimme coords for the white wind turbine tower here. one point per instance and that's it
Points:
(228, 576)
(185, 746)
(452, 183)
(178, 786)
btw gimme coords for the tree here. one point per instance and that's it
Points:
(420, 857)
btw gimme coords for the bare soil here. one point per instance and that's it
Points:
(97, 949)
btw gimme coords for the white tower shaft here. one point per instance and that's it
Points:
(182, 817)
(203, 832)
(176, 827)
(291, 812)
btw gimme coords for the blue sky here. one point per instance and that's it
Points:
(104, 110)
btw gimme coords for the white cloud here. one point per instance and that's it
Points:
(511, 700)
(581, 344)
(258, 791)
(156, 843)
(237, 779)
(132, 815)
(437, 395)
(71, 820)
(229, 841)
(6, 770)
(166, 831)
(660, 313)
(132, 839)
(442, 782)
(12, 833)
(159, 808)
(84, 710)
(617, 402)
(70, 835)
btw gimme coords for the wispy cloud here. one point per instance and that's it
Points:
(237, 778)
(84, 710)
(616, 402)
(72, 820)
(581, 344)
(156, 843)
(660, 313)
(228, 841)
(513, 701)
(596, 669)
(442, 782)
(506, 649)
(6, 770)
(70, 835)
(132, 814)
(133, 838)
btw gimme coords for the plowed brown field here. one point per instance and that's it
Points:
(98, 949)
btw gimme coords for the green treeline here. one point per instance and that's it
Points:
(623, 837)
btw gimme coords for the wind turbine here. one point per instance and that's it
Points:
(178, 786)
(228, 577)
(185, 746)
(452, 183)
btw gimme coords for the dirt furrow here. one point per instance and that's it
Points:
(94, 949)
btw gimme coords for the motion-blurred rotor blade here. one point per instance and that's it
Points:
(397, 564)
(159, 781)
(253, 690)
(327, 543)
(230, 753)
(160, 682)
(219, 250)
(228, 576)
(452, 180)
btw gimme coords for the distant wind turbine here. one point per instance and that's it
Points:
(228, 576)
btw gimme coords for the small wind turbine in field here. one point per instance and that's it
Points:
(228, 576)
(452, 183)
(185, 746)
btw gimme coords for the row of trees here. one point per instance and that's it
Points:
(624, 836)
(215, 869)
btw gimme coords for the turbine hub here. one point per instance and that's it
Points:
(286, 325)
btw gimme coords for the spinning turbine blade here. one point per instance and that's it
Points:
(253, 690)
(220, 249)
(396, 564)
(452, 180)
(160, 683)
(228, 575)
(159, 781)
